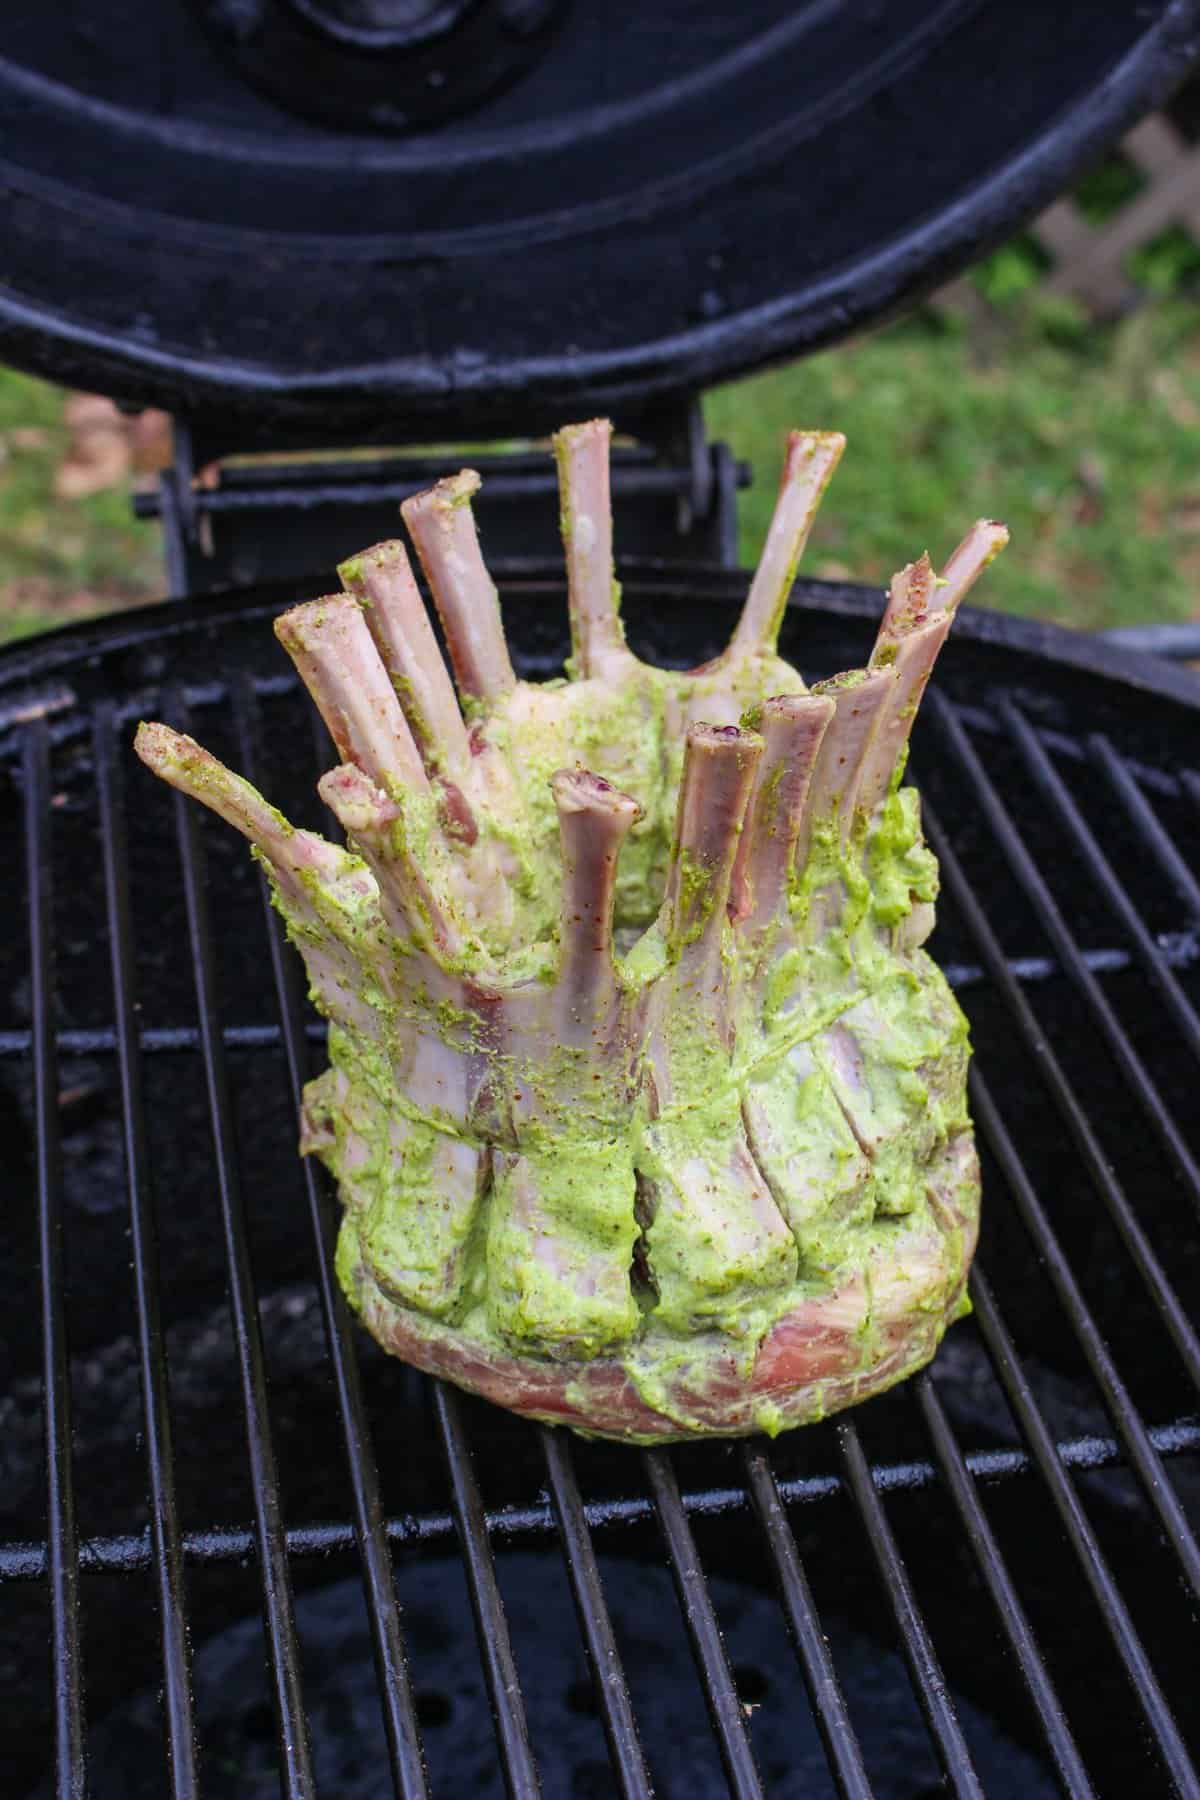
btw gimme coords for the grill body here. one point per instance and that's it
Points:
(241, 1552)
(219, 1498)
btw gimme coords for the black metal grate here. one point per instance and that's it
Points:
(1012, 1529)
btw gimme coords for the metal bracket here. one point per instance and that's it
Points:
(177, 510)
(274, 520)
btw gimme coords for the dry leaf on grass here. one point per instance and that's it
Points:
(107, 446)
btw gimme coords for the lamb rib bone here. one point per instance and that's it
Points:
(715, 1240)
(562, 1229)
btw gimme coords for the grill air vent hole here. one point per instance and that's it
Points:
(581, 1698)
(258, 1723)
(432, 1708)
(752, 1685)
(591, 1781)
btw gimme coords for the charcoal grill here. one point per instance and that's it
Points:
(1014, 1525)
(242, 1552)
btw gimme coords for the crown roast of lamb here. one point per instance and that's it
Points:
(646, 1108)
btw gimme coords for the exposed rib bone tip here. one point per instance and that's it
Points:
(567, 435)
(594, 819)
(382, 580)
(195, 771)
(916, 621)
(579, 790)
(355, 800)
(303, 626)
(186, 764)
(368, 816)
(792, 727)
(443, 530)
(997, 532)
(808, 465)
(705, 736)
(446, 495)
(156, 744)
(966, 563)
(330, 642)
(809, 442)
(912, 594)
(585, 518)
(442, 525)
(355, 571)
(793, 706)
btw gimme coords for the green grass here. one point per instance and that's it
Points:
(1086, 442)
(60, 559)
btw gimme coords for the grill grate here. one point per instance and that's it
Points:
(164, 1514)
(843, 1513)
(61, 1537)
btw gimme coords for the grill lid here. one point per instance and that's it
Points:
(537, 210)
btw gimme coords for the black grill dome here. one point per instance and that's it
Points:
(639, 201)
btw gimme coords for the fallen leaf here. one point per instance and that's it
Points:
(107, 446)
(1185, 515)
(1180, 406)
(1089, 472)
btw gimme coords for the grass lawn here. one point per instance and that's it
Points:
(60, 559)
(1086, 442)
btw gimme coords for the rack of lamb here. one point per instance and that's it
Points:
(647, 1109)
